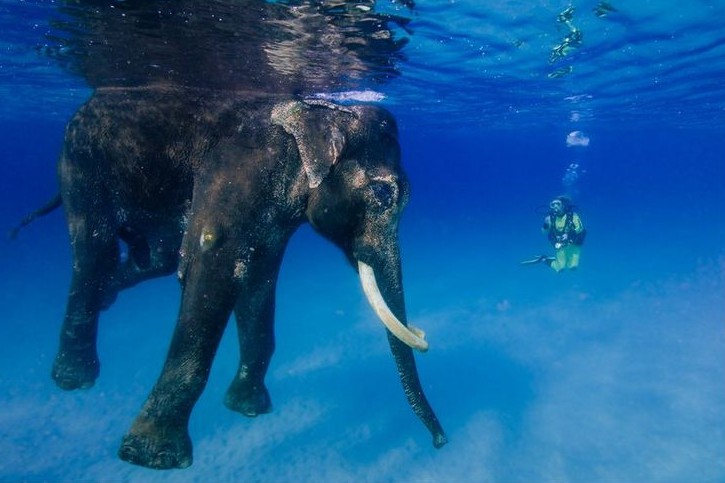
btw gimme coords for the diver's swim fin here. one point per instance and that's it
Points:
(539, 259)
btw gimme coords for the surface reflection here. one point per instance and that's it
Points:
(295, 47)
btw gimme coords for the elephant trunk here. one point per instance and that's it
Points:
(382, 283)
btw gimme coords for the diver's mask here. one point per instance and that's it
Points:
(556, 207)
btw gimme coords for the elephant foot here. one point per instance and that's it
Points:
(75, 370)
(250, 400)
(439, 440)
(159, 449)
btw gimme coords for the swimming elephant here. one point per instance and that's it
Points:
(213, 186)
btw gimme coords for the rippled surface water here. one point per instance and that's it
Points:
(479, 63)
(493, 64)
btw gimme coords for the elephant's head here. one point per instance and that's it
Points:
(358, 190)
(351, 157)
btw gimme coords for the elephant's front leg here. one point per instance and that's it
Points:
(254, 313)
(159, 437)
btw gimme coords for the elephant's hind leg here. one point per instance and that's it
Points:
(95, 257)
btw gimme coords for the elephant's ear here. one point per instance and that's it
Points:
(316, 130)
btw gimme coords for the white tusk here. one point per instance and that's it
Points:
(411, 336)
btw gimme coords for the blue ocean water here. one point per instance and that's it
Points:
(613, 372)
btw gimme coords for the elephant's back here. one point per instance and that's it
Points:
(141, 143)
(148, 144)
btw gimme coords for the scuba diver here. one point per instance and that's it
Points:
(565, 231)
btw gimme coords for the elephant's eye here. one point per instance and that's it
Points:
(383, 193)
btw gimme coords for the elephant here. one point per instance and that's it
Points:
(213, 185)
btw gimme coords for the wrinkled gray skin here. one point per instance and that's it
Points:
(215, 187)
